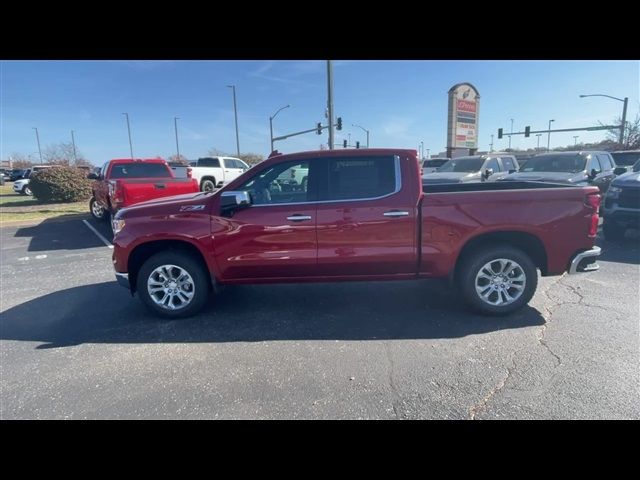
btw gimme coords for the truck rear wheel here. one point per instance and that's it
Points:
(173, 284)
(497, 280)
(208, 185)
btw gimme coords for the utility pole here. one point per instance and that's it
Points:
(537, 135)
(549, 135)
(624, 121)
(421, 150)
(491, 146)
(330, 101)
(175, 124)
(428, 154)
(129, 130)
(73, 142)
(511, 134)
(38, 140)
(575, 140)
(235, 110)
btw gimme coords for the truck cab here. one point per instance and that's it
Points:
(214, 172)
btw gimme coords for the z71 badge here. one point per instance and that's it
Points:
(191, 208)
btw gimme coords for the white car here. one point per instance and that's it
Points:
(214, 172)
(22, 186)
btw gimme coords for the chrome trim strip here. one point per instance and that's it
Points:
(499, 191)
(299, 218)
(396, 214)
(398, 186)
(594, 252)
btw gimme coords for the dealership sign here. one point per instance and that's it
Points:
(462, 124)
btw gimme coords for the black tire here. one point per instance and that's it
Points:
(476, 260)
(613, 231)
(193, 267)
(26, 190)
(208, 185)
(105, 214)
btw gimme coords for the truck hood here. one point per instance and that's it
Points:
(555, 177)
(450, 177)
(169, 205)
(630, 179)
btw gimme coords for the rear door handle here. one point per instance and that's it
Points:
(396, 213)
(160, 185)
(299, 218)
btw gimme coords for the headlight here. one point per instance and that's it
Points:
(613, 191)
(117, 225)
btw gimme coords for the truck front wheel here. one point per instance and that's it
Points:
(173, 284)
(497, 280)
(97, 211)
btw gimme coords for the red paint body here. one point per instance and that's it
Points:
(114, 194)
(352, 240)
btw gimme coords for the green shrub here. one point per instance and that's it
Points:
(60, 184)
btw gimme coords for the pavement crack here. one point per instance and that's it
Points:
(482, 406)
(547, 319)
(392, 383)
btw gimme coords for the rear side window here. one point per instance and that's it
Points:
(139, 170)
(508, 163)
(209, 162)
(360, 177)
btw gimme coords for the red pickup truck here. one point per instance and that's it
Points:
(124, 182)
(362, 215)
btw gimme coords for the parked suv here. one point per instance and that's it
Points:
(574, 168)
(622, 204)
(21, 186)
(477, 168)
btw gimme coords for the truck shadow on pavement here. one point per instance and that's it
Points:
(621, 251)
(106, 313)
(62, 233)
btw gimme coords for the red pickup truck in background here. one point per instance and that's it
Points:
(124, 182)
(362, 215)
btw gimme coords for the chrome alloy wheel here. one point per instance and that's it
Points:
(170, 287)
(97, 209)
(500, 282)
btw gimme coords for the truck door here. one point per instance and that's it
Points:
(366, 220)
(276, 236)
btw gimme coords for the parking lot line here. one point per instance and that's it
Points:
(99, 235)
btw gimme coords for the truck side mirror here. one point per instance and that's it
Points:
(234, 200)
(619, 170)
(488, 172)
(92, 176)
(594, 173)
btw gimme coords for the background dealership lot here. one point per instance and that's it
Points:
(75, 345)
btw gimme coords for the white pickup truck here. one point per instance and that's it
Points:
(213, 172)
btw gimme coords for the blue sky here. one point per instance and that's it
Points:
(401, 102)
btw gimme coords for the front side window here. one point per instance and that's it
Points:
(282, 183)
(604, 161)
(593, 164)
(360, 178)
(493, 164)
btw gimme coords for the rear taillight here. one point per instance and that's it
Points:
(116, 192)
(189, 172)
(593, 201)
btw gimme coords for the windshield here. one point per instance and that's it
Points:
(555, 163)
(434, 163)
(462, 164)
(625, 159)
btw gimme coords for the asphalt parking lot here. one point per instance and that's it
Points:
(76, 345)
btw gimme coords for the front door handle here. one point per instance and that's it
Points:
(299, 218)
(159, 185)
(396, 213)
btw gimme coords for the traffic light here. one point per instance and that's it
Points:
(344, 144)
(527, 131)
(357, 144)
(339, 125)
(499, 133)
(319, 128)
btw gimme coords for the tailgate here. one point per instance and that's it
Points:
(141, 190)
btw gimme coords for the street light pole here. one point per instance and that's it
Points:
(175, 124)
(428, 153)
(365, 130)
(73, 142)
(271, 123)
(38, 140)
(491, 146)
(511, 134)
(575, 140)
(421, 150)
(129, 130)
(549, 135)
(330, 101)
(235, 110)
(625, 101)
(537, 135)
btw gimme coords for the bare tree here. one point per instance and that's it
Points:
(251, 158)
(631, 140)
(214, 152)
(18, 160)
(62, 154)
